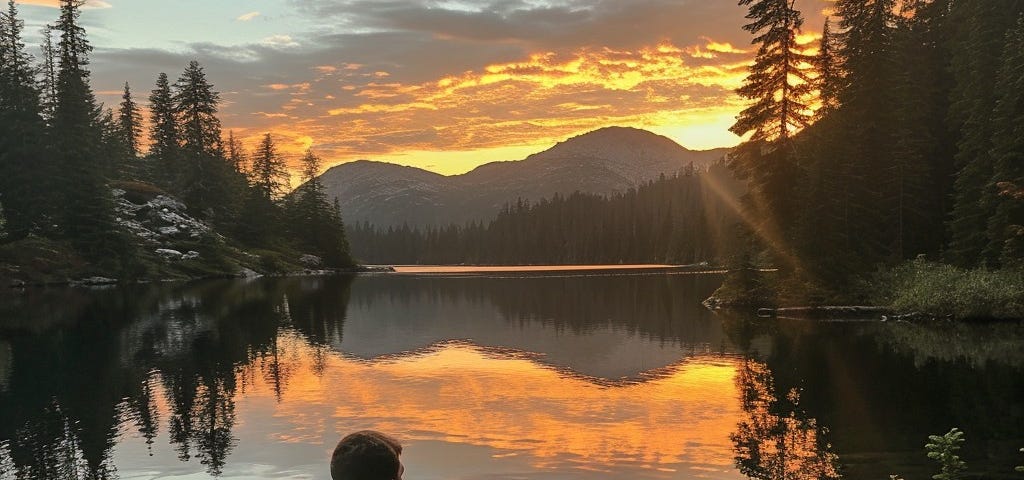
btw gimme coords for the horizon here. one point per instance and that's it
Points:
(357, 80)
(525, 157)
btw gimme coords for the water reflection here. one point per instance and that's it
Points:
(776, 440)
(483, 377)
(881, 388)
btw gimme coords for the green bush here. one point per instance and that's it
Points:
(942, 449)
(940, 290)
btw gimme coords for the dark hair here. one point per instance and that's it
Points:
(366, 455)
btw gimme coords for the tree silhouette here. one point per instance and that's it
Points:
(776, 440)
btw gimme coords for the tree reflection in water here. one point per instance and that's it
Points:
(777, 440)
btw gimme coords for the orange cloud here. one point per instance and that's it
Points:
(685, 92)
(89, 4)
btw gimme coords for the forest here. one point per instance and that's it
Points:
(686, 218)
(897, 137)
(62, 154)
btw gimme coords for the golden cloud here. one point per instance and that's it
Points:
(543, 98)
(89, 4)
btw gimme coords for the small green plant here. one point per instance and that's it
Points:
(942, 449)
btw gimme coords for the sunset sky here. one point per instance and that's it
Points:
(442, 85)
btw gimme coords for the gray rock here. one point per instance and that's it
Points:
(95, 281)
(191, 255)
(247, 273)
(310, 261)
(169, 254)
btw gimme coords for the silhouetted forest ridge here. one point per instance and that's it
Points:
(896, 135)
(602, 162)
(684, 218)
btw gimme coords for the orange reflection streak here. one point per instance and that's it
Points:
(521, 268)
(464, 394)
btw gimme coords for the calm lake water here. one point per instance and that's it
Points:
(496, 375)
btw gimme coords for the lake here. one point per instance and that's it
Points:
(487, 375)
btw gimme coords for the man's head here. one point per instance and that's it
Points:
(367, 455)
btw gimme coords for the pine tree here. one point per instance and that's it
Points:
(24, 167)
(269, 176)
(777, 82)
(77, 142)
(206, 176)
(49, 72)
(195, 104)
(778, 85)
(129, 120)
(127, 128)
(263, 224)
(236, 153)
(1005, 225)
(922, 153)
(863, 150)
(977, 49)
(165, 144)
(829, 75)
(316, 225)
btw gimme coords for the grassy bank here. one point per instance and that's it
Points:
(40, 261)
(941, 290)
(922, 288)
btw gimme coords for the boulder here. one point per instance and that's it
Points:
(169, 254)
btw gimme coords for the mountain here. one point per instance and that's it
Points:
(603, 161)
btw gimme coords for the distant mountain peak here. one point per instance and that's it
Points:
(602, 161)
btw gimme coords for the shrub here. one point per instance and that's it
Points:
(940, 290)
(942, 449)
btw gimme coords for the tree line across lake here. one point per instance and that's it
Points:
(688, 217)
(61, 153)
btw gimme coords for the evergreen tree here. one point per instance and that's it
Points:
(976, 53)
(24, 167)
(1004, 226)
(269, 176)
(195, 104)
(113, 152)
(129, 122)
(921, 162)
(778, 85)
(863, 149)
(76, 138)
(165, 143)
(316, 225)
(262, 225)
(127, 129)
(829, 74)
(236, 153)
(206, 176)
(49, 72)
(777, 82)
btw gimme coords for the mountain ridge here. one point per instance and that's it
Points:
(602, 161)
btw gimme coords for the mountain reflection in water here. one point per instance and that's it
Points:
(481, 377)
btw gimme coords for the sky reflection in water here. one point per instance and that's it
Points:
(596, 376)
